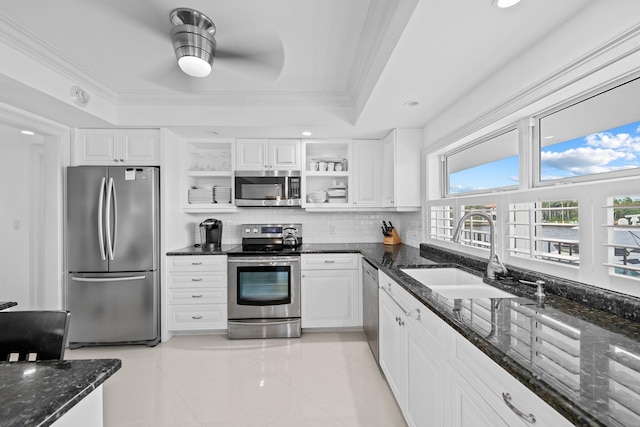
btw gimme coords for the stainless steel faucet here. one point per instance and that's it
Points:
(495, 266)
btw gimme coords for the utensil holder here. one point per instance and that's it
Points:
(393, 239)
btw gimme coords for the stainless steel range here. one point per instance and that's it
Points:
(264, 282)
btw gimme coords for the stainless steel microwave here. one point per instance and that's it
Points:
(268, 188)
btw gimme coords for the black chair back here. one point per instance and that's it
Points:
(33, 335)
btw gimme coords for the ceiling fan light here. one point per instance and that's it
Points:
(193, 41)
(194, 66)
(505, 3)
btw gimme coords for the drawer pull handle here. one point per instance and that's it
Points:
(197, 279)
(531, 419)
(196, 317)
(329, 261)
(197, 296)
(196, 263)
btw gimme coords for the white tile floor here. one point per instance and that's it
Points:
(321, 379)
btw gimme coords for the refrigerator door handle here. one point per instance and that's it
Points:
(115, 218)
(110, 246)
(101, 218)
(109, 279)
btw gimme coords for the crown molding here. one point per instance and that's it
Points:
(238, 99)
(51, 58)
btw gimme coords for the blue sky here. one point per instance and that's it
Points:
(606, 151)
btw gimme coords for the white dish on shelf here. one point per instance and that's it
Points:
(329, 159)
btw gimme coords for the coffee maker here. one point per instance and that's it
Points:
(211, 234)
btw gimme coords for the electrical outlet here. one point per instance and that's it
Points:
(16, 224)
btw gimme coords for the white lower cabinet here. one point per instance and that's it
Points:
(330, 293)
(440, 379)
(197, 292)
(502, 394)
(412, 354)
(468, 407)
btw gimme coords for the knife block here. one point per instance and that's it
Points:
(393, 239)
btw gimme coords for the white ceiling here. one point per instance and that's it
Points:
(335, 67)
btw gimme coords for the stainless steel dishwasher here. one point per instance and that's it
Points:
(370, 305)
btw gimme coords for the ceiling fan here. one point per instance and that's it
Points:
(193, 38)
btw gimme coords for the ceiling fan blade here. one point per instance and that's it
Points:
(265, 60)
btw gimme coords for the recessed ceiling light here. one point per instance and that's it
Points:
(549, 137)
(27, 132)
(505, 3)
(306, 133)
(411, 103)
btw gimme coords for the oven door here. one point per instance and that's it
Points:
(265, 287)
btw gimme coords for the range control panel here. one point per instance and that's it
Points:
(270, 230)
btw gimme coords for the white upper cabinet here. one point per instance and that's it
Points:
(284, 154)
(116, 147)
(268, 154)
(401, 185)
(367, 162)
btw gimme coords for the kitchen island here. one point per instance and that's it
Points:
(55, 392)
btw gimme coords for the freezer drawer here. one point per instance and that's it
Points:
(113, 308)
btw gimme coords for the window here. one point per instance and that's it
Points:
(595, 136)
(441, 222)
(484, 165)
(548, 230)
(624, 236)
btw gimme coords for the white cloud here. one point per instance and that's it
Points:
(620, 141)
(586, 160)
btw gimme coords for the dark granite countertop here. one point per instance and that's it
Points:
(7, 304)
(579, 350)
(39, 393)
(197, 250)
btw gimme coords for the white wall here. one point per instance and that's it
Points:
(318, 227)
(18, 219)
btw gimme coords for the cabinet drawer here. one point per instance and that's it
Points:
(197, 280)
(197, 296)
(329, 261)
(197, 263)
(192, 317)
(491, 380)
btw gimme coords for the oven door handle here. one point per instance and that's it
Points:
(278, 260)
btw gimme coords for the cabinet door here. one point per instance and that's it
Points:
(141, 147)
(251, 154)
(425, 380)
(388, 177)
(468, 408)
(284, 154)
(367, 159)
(393, 347)
(96, 147)
(330, 298)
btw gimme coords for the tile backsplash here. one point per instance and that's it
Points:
(321, 227)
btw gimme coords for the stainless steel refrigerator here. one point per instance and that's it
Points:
(112, 287)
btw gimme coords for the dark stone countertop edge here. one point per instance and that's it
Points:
(46, 415)
(7, 304)
(110, 368)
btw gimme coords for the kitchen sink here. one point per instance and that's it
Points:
(442, 276)
(453, 283)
